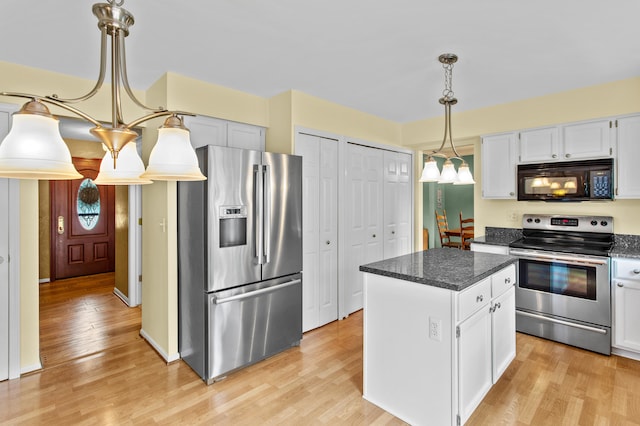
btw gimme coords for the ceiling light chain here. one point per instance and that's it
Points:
(430, 173)
(19, 156)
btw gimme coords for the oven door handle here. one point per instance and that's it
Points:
(562, 322)
(567, 259)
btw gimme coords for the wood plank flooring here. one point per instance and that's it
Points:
(319, 382)
(82, 316)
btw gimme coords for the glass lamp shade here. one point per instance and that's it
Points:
(430, 172)
(173, 157)
(34, 149)
(129, 167)
(464, 175)
(448, 174)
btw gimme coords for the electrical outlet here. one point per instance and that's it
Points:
(435, 329)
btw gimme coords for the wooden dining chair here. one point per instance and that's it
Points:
(425, 239)
(466, 232)
(443, 227)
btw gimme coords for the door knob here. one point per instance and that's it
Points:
(374, 235)
(328, 242)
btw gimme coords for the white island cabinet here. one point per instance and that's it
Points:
(439, 330)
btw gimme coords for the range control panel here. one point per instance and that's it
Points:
(603, 224)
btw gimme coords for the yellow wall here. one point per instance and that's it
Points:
(611, 99)
(29, 308)
(122, 239)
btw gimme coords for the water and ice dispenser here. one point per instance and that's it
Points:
(233, 226)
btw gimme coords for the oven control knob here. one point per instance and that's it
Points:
(594, 222)
(604, 223)
(529, 220)
(537, 220)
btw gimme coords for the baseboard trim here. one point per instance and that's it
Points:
(121, 296)
(44, 280)
(30, 368)
(168, 358)
(626, 353)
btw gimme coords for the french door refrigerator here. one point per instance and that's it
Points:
(239, 259)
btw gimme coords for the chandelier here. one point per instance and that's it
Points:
(34, 148)
(430, 173)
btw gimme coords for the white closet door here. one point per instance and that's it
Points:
(397, 204)
(328, 209)
(364, 214)
(4, 279)
(320, 229)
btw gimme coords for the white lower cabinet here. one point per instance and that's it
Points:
(431, 354)
(626, 307)
(486, 339)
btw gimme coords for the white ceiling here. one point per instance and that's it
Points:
(372, 55)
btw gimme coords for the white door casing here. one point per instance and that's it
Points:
(4, 279)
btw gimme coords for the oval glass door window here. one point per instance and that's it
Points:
(88, 204)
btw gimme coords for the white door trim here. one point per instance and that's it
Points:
(14, 278)
(135, 242)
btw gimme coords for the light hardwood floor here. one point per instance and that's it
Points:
(121, 380)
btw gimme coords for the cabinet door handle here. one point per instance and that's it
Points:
(328, 242)
(567, 156)
(479, 299)
(620, 285)
(507, 280)
(636, 271)
(393, 232)
(512, 193)
(1, 260)
(554, 156)
(374, 235)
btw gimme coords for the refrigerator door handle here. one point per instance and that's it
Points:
(267, 212)
(258, 210)
(255, 293)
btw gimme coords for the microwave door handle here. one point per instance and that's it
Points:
(267, 212)
(258, 212)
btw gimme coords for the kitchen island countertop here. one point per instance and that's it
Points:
(448, 268)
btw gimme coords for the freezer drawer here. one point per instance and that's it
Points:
(249, 323)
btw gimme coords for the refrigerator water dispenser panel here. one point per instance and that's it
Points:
(233, 226)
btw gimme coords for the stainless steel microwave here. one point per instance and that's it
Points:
(566, 181)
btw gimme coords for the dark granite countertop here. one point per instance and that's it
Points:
(448, 268)
(626, 246)
(499, 236)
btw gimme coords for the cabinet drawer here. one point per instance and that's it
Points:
(502, 280)
(474, 298)
(626, 269)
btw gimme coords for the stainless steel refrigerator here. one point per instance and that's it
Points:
(239, 259)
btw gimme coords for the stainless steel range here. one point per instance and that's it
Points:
(563, 291)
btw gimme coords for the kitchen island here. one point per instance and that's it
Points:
(439, 330)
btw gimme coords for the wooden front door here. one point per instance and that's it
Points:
(82, 224)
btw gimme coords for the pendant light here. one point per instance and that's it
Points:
(130, 167)
(34, 148)
(430, 172)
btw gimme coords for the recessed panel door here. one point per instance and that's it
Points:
(363, 217)
(82, 224)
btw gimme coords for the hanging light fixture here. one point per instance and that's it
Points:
(34, 149)
(430, 172)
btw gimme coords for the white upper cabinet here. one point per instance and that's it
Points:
(213, 131)
(628, 136)
(245, 136)
(499, 166)
(591, 139)
(539, 145)
(567, 142)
